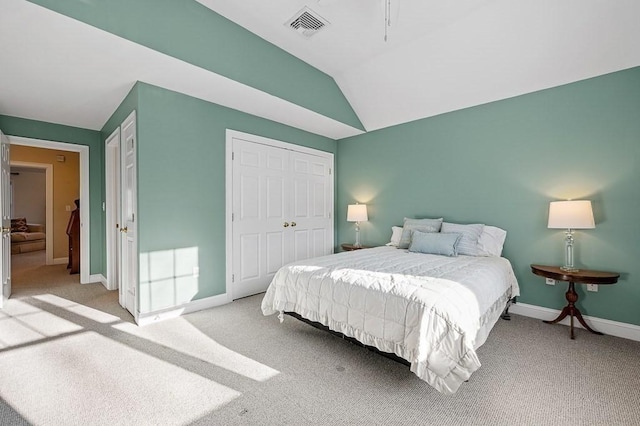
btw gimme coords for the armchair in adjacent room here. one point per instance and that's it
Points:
(26, 237)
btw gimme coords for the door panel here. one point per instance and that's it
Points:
(275, 252)
(301, 244)
(5, 207)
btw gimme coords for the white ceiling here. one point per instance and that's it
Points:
(444, 55)
(440, 56)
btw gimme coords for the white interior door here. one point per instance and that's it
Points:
(128, 227)
(282, 207)
(312, 205)
(260, 240)
(5, 207)
(112, 180)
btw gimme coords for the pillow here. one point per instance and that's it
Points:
(423, 225)
(491, 241)
(396, 234)
(442, 243)
(470, 235)
(19, 225)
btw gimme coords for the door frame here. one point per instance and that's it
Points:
(112, 209)
(234, 134)
(48, 168)
(83, 150)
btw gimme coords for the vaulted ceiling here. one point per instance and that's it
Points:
(439, 56)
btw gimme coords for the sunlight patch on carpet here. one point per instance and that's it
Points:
(110, 376)
(25, 323)
(182, 336)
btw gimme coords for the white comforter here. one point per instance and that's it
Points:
(433, 311)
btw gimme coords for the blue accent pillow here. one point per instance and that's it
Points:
(470, 235)
(443, 243)
(424, 225)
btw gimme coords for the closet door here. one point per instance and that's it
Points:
(282, 208)
(312, 205)
(260, 215)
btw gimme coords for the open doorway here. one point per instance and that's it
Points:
(32, 210)
(44, 185)
(75, 179)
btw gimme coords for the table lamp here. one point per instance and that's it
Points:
(570, 215)
(357, 213)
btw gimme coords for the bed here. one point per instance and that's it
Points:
(433, 311)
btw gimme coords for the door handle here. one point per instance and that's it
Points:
(124, 229)
(293, 224)
(285, 224)
(5, 230)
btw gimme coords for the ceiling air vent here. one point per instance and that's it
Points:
(307, 22)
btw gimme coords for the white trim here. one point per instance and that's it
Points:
(85, 229)
(112, 206)
(185, 308)
(230, 136)
(613, 328)
(98, 278)
(48, 227)
(228, 222)
(59, 261)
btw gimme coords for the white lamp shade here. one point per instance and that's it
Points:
(357, 213)
(575, 214)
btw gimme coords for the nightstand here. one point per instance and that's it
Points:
(582, 276)
(351, 247)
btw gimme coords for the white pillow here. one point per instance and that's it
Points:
(491, 241)
(396, 234)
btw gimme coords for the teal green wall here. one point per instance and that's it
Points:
(501, 164)
(181, 191)
(193, 33)
(14, 126)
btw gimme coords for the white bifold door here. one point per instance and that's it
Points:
(282, 209)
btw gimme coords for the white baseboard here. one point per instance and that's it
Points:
(98, 278)
(176, 311)
(613, 328)
(60, 260)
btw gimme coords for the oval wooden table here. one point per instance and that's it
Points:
(581, 276)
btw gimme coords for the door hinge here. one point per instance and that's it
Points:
(233, 278)
(233, 155)
(233, 217)
(329, 170)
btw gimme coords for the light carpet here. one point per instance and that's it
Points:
(69, 355)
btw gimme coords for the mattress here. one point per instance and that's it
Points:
(434, 311)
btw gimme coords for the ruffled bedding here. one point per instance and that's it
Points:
(434, 311)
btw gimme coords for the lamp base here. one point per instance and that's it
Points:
(569, 269)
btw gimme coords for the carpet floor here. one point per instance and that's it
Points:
(70, 355)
